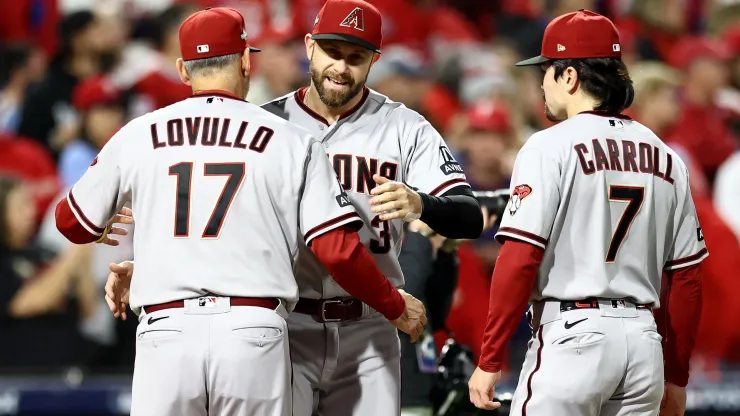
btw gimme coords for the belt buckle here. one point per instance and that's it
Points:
(323, 310)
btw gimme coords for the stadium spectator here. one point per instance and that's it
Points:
(35, 310)
(277, 69)
(656, 96)
(30, 162)
(20, 66)
(102, 113)
(47, 116)
(702, 128)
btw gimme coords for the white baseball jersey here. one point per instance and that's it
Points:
(610, 204)
(222, 191)
(378, 136)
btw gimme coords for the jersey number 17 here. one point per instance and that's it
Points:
(184, 173)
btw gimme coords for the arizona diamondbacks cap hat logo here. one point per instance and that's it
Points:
(355, 19)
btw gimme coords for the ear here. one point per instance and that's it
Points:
(184, 77)
(310, 44)
(246, 63)
(570, 76)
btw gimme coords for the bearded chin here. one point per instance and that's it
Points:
(550, 115)
(334, 98)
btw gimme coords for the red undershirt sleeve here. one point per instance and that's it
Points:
(680, 321)
(511, 287)
(354, 269)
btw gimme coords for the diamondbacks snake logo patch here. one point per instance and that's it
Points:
(517, 196)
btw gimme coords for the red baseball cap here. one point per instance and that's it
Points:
(213, 32)
(353, 21)
(578, 35)
(489, 116)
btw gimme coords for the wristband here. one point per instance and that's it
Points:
(102, 237)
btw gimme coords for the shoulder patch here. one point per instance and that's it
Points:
(94, 162)
(449, 165)
(515, 201)
(699, 234)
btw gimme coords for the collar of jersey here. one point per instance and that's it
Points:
(301, 94)
(219, 93)
(604, 114)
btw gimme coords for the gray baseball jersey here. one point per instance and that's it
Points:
(222, 192)
(378, 136)
(610, 204)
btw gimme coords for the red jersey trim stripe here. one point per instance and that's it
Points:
(522, 235)
(446, 186)
(687, 261)
(81, 215)
(330, 225)
(537, 366)
(70, 227)
(301, 94)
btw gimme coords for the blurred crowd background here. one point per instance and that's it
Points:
(73, 71)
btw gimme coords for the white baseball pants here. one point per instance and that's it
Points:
(588, 362)
(216, 360)
(350, 368)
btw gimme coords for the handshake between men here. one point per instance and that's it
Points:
(118, 285)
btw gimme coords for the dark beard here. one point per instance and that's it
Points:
(550, 116)
(333, 98)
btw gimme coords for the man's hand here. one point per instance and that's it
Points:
(481, 388)
(118, 286)
(674, 400)
(488, 219)
(124, 216)
(395, 200)
(414, 317)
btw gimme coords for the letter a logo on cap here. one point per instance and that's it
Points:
(354, 19)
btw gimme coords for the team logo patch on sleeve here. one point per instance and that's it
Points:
(515, 201)
(94, 162)
(450, 165)
(342, 198)
(699, 234)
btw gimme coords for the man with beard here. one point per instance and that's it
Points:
(223, 193)
(395, 167)
(600, 208)
(345, 356)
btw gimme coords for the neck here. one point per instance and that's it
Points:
(233, 87)
(581, 105)
(82, 66)
(696, 94)
(14, 91)
(331, 114)
(651, 121)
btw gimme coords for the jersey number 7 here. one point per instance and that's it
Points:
(184, 173)
(634, 196)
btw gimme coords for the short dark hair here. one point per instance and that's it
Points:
(13, 57)
(606, 79)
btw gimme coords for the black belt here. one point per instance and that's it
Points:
(593, 303)
(330, 310)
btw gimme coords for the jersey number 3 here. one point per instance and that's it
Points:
(633, 196)
(184, 173)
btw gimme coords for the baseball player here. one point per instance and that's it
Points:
(600, 207)
(223, 192)
(394, 167)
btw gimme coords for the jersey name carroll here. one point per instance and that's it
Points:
(624, 156)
